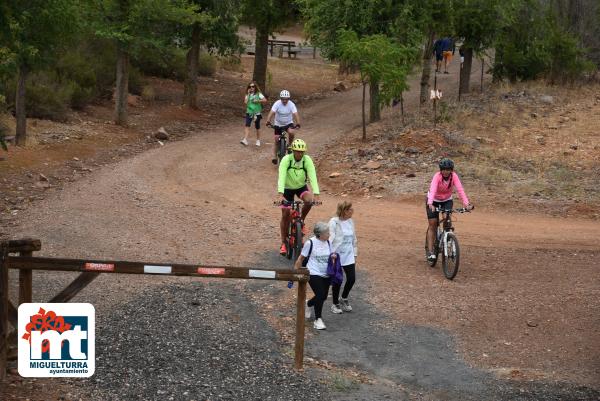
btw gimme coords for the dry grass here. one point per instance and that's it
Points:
(302, 77)
(532, 148)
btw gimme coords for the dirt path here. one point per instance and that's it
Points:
(207, 199)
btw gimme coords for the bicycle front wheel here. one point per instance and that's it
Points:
(298, 240)
(450, 256)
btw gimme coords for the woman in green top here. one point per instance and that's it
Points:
(254, 101)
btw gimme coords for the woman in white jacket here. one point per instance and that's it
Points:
(343, 241)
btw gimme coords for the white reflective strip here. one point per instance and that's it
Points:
(157, 269)
(261, 273)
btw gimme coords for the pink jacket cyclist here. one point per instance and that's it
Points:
(440, 196)
(440, 189)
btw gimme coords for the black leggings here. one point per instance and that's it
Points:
(320, 286)
(350, 279)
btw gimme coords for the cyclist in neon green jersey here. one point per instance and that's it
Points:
(295, 171)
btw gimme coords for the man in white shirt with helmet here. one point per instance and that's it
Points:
(286, 119)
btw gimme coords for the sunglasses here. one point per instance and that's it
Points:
(252, 86)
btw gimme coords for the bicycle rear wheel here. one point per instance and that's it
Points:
(429, 261)
(282, 151)
(298, 240)
(450, 256)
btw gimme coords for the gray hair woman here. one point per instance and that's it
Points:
(317, 250)
(343, 242)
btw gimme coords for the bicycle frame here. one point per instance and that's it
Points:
(446, 240)
(294, 232)
(282, 150)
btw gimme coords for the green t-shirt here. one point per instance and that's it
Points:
(254, 106)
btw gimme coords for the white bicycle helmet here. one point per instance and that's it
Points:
(284, 94)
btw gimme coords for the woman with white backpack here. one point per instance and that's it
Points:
(342, 236)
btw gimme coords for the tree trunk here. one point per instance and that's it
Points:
(260, 57)
(21, 113)
(122, 86)
(402, 106)
(364, 117)
(465, 72)
(190, 88)
(374, 110)
(426, 69)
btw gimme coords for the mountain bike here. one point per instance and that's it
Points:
(294, 240)
(446, 243)
(283, 145)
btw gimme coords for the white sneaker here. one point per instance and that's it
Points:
(307, 311)
(345, 305)
(257, 142)
(432, 257)
(244, 142)
(319, 325)
(336, 309)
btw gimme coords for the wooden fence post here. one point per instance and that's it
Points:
(25, 282)
(300, 306)
(3, 308)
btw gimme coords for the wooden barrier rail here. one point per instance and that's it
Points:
(90, 269)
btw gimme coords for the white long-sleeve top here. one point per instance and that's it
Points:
(342, 236)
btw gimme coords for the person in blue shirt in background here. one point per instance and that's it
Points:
(444, 49)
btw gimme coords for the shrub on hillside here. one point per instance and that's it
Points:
(535, 46)
(48, 98)
(148, 93)
(231, 63)
(136, 81)
(568, 61)
(74, 70)
(207, 65)
(165, 63)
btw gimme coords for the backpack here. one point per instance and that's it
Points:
(303, 168)
(305, 261)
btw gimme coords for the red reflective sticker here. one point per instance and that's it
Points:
(100, 267)
(215, 271)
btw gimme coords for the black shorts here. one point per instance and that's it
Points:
(439, 57)
(249, 119)
(288, 194)
(443, 205)
(279, 130)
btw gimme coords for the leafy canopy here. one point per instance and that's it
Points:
(31, 31)
(133, 23)
(379, 59)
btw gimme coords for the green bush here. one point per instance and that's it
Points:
(568, 62)
(76, 71)
(136, 81)
(102, 55)
(231, 63)
(148, 93)
(82, 96)
(47, 98)
(207, 65)
(165, 63)
(534, 46)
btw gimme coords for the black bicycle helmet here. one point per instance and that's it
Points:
(446, 164)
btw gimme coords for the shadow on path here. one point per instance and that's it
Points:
(407, 361)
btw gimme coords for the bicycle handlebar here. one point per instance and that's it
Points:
(293, 203)
(270, 125)
(459, 210)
